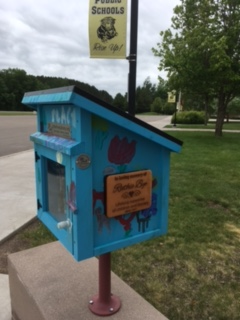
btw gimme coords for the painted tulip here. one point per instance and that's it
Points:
(121, 151)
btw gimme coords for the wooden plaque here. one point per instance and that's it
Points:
(59, 130)
(128, 192)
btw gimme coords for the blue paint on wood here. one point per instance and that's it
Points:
(111, 142)
(66, 146)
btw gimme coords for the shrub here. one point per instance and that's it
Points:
(233, 109)
(169, 108)
(157, 105)
(189, 117)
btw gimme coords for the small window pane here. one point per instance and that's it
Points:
(56, 190)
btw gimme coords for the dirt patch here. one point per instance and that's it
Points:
(234, 229)
(15, 243)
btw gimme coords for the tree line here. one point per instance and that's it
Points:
(15, 82)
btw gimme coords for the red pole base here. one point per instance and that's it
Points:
(104, 308)
(104, 303)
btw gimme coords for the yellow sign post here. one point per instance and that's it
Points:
(172, 96)
(107, 29)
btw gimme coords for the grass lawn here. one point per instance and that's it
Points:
(193, 272)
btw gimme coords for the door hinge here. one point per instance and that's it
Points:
(36, 156)
(39, 205)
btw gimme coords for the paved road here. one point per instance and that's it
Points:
(15, 132)
(150, 119)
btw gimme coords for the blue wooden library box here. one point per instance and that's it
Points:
(102, 175)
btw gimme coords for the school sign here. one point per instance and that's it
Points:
(108, 29)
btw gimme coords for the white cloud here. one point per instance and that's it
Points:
(51, 38)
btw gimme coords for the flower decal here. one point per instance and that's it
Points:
(126, 222)
(144, 216)
(101, 131)
(152, 211)
(98, 211)
(121, 152)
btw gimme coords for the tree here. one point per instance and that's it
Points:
(104, 95)
(201, 53)
(4, 95)
(120, 102)
(15, 82)
(145, 96)
(157, 105)
(162, 89)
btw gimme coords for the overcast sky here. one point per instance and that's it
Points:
(50, 38)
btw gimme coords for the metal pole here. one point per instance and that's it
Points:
(133, 58)
(104, 303)
(105, 278)
(179, 100)
(175, 116)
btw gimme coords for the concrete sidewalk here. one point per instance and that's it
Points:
(17, 192)
(159, 124)
(17, 207)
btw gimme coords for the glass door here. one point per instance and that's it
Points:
(56, 186)
(54, 179)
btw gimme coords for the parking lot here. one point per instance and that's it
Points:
(15, 132)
